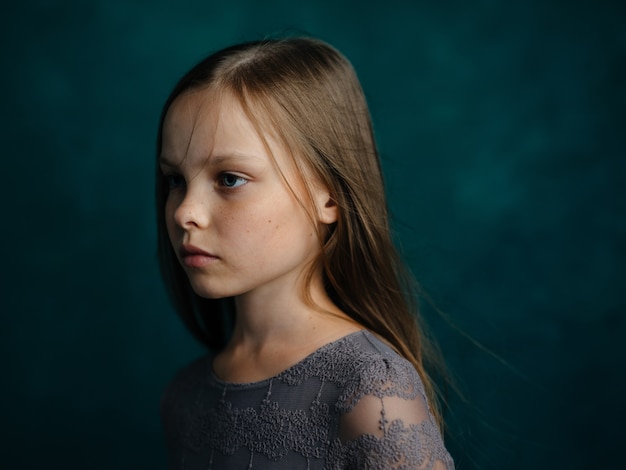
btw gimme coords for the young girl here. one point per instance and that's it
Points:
(275, 247)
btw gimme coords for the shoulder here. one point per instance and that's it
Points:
(360, 365)
(385, 415)
(377, 370)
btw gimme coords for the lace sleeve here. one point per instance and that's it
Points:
(390, 426)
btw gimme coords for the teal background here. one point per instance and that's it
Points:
(501, 126)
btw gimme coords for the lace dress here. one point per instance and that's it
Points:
(352, 404)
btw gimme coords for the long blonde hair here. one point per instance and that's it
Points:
(307, 93)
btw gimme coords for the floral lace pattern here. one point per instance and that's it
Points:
(270, 430)
(401, 448)
(352, 404)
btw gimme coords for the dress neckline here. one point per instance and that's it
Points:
(264, 382)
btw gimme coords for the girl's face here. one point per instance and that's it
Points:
(233, 222)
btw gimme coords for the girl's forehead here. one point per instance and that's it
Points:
(214, 123)
(192, 108)
(199, 117)
(212, 109)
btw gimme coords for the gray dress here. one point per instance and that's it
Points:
(352, 404)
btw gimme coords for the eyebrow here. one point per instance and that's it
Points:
(215, 159)
(220, 159)
(163, 160)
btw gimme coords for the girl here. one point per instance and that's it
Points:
(275, 247)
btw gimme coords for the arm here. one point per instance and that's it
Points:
(389, 430)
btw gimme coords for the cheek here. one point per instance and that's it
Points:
(253, 229)
(283, 226)
(248, 228)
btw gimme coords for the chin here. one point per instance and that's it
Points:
(210, 292)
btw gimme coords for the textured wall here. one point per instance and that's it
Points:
(501, 126)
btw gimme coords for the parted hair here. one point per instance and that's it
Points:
(307, 94)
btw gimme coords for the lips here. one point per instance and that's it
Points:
(194, 257)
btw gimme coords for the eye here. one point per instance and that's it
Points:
(173, 181)
(231, 181)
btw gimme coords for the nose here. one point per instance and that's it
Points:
(192, 212)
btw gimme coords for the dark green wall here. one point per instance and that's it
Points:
(501, 126)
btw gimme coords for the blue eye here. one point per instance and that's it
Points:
(174, 181)
(231, 181)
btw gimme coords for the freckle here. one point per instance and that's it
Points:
(269, 221)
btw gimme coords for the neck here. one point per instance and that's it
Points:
(276, 327)
(282, 315)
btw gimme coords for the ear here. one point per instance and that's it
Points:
(327, 209)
